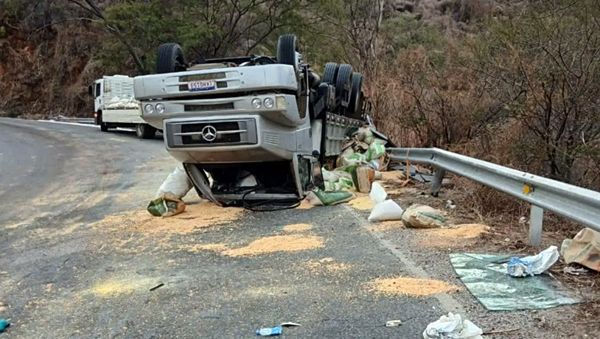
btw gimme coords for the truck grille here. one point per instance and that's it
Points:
(211, 133)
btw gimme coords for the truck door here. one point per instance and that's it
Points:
(98, 96)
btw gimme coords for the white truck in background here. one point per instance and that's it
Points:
(115, 105)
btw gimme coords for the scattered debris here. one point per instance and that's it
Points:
(450, 204)
(452, 326)
(277, 243)
(217, 247)
(383, 226)
(386, 210)
(365, 177)
(485, 277)
(328, 198)
(115, 287)
(422, 216)
(168, 197)
(275, 331)
(297, 228)
(447, 237)
(377, 194)
(328, 265)
(394, 177)
(289, 324)
(411, 286)
(269, 331)
(362, 203)
(393, 323)
(501, 331)
(414, 173)
(176, 183)
(461, 231)
(534, 264)
(157, 287)
(305, 205)
(166, 205)
(199, 215)
(574, 271)
(583, 249)
(383, 209)
(4, 324)
(359, 164)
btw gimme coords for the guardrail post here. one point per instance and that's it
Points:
(536, 219)
(436, 184)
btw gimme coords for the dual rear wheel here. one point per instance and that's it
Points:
(348, 88)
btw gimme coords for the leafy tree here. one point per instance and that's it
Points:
(205, 29)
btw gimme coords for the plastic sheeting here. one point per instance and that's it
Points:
(485, 277)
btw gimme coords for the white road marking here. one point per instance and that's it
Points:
(70, 123)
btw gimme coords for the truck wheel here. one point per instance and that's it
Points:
(103, 125)
(356, 97)
(170, 58)
(286, 50)
(343, 84)
(330, 72)
(144, 131)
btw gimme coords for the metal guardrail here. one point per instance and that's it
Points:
(573, 202)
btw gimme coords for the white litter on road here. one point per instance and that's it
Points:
(452, 326)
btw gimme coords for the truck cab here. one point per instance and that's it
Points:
(115, 105)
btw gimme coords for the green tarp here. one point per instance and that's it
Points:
(485, 277)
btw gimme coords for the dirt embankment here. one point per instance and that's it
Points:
(45, 72)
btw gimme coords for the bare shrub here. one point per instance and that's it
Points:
(545, 65)
(423, 100)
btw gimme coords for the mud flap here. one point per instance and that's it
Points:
(307, 174)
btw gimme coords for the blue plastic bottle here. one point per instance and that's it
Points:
(269, 331)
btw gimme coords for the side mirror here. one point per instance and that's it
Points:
(91, 90)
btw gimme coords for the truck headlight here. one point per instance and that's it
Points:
(160, 108)
(281, 103)
(269, 102)
(256, 103)
(148, 108)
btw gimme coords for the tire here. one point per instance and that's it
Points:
(103, 126)
(170, 58)
(343, 84)
(286, 50)
(330, 72)
(356, 98)
(144, 131)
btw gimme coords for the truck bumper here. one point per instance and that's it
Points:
(235, 139)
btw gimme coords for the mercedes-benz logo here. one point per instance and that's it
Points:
(209, 133)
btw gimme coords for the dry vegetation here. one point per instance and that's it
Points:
(514, 82)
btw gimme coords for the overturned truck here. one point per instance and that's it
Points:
(252, 129)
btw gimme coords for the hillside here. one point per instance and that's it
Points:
(510, 81)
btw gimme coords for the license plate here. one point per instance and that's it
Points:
(201, 85)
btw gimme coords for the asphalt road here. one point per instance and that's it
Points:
(57, 181)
